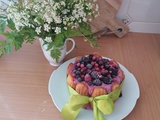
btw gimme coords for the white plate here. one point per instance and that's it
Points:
(123, 106)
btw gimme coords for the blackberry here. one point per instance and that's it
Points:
(104, 74)
(106, 66)
(80, 60)
(86, 60)
(90, 83)
(97, 82)
(89, 72)
(113, 76)
(116, 67)
(115, 72)
(107, 80)
(105, 60)
(90, 56)
(94, 74)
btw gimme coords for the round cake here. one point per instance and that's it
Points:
(93, 75)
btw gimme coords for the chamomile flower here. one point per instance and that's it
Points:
(38, 30)
(58, 30)
(47, 27)
(49, 18)
(48, 39)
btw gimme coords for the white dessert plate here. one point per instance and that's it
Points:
(123, 106)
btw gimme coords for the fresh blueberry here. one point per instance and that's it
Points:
(79, 79)
(78, 72)
(89, 66)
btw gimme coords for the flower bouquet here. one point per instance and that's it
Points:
(49, 20)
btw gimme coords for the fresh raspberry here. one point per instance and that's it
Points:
(87, 78)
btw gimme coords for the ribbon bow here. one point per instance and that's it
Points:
(103, 103)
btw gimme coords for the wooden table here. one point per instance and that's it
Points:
(24, 76)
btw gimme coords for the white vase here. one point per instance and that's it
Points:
(63, 51)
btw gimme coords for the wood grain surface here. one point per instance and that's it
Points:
(106, 19)
(24, 76)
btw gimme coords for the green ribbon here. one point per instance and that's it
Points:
(101, 104)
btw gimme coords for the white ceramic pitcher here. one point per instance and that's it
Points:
(63, 50)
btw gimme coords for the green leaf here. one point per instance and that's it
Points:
(11, 24)
(3, 16)
(1, 52)
(75, 33)
(85, 30)
(2, 25)
(18, 43)
(15, 39)
(28, 32)
(50, 46)
(2, 46)
(55, 54)
(71, 32)
(92, 40)
(8, 48)
(59, 40)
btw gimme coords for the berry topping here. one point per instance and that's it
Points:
(94, 58)
(82, 65)
(104, 73)
(78, 64)
(97, 82)
(74, 75)
(89, 71)
(87, 77)
(90, 56)
(95, 70)
(77, 72)
(113, 76)
(96, 65)
(89, 66)
(100, 62)
(90, 83)
(94, 74)
(86, 59)
(115, 71)
(107, 80)
(106, 66)
(79, 79)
